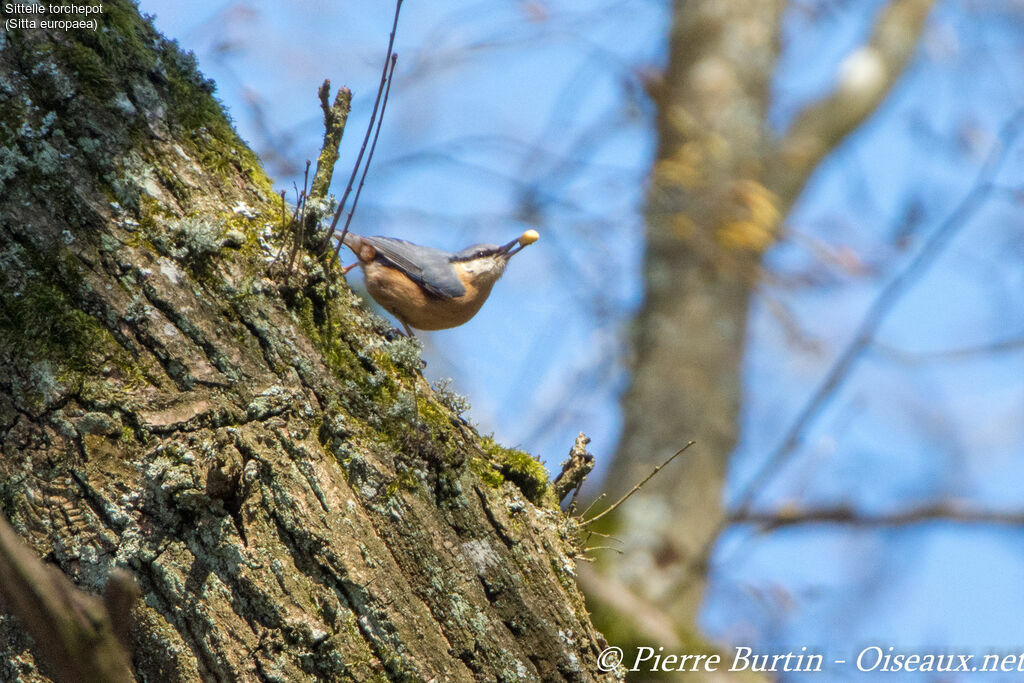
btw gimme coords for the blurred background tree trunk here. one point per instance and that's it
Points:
(293, 499)
(720, 187)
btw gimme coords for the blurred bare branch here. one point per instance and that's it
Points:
(1008, 345)
(73, 631)
(847, 515)
(644, 618)
(865, 78)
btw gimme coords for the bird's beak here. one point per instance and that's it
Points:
(524, 240)
(506, 249)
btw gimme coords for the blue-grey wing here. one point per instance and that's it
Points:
(430, 268)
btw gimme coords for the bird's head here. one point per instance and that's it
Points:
(487, 261)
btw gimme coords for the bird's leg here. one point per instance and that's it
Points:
(344, 270)
(408, 330)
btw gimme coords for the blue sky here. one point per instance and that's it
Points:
(501, 106)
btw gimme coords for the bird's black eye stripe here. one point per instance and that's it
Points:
(479, 253)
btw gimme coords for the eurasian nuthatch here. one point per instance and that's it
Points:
(428, 288)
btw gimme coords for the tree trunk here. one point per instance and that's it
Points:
(721, 184)
(709, 218)
(294, 500)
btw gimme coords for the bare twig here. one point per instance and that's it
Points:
(300, 229)
(575, 497)
(575, 468)
(369, 129)
(592, 504)
(849, 516)
(284, 226)
(335, 118)
(1009, 344)
(591, 532)
(369, 157)
(603, 547)
(636, 488)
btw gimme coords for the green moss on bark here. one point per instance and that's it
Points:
(520, 468)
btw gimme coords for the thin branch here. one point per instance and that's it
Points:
(603, 547)
(636, 488)
(1008, 345)
(369, 128)
(284, 225)
(301, 227)
(603, 535)
(849, 516)
(369, 157)
(593, 503)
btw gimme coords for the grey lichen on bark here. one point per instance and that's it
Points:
(267, 460)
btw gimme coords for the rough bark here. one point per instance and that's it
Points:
(294, 500)
(719, 188)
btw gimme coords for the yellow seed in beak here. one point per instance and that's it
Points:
(529, 237)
